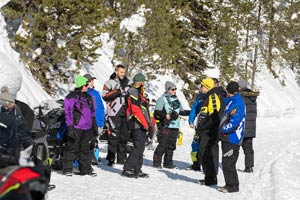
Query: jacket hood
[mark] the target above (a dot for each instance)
(218, 90)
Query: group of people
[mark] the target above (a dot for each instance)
(127, 118)
(229, 116)
(216, 115)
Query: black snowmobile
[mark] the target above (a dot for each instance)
(21, 182)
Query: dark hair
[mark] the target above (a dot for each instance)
(120, 66)
(216, 81)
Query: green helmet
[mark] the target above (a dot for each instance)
(80, 81)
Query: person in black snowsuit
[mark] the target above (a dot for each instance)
(9, 151)
(9, 106)
(207, 129)
(249, 98)
(139, 124)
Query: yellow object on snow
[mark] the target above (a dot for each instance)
(180, 138)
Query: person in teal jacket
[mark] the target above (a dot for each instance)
(168, 108)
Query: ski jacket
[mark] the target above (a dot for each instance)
(196, 107)
(9, 151)
(211, 112)
(79, 111)
(98, 107)
(111, 93)
(7, 131)
(170, 104)
(137, 109)
(232, 126)
(249, 98)
(22, 130)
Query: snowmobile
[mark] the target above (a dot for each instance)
(49, 124)
(28, 182)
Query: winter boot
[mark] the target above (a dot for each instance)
(208, 182)
(129, 174)
(248, 170)
(141, 174)
(170, 166)
(227, 189)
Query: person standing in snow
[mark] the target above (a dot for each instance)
(99, 110)
(139, 124)
(249, 98)
(232, 128)
(167, 110)
(196, 166)
(207, 128)
(80, 119)
(114, 94)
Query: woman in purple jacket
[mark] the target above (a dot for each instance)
(80, 119)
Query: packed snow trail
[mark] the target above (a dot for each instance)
(275, 177)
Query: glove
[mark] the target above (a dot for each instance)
(150, 133)
(100, 131)
(71, 132)
(174, 115)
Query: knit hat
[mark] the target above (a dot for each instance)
(242, 83)
(80, 81)
(5, 96)
(232, 87)
(89, 77)
(169, 85)
(139, 78)
(208, 83)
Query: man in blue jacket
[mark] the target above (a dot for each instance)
(232, 128)
(99, 111)
(196, 166)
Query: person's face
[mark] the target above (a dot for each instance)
(120, 72)
(91, 84)
(172, 91)
(203, 89)
(85, 88)
(139, 84)
(9, 106)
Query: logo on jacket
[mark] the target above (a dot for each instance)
(229, 153)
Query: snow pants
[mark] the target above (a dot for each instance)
(247, 146)
(167, 139)
(230, 154)
(117, 139)
(134, 161)
(209, 157)
(79, 148)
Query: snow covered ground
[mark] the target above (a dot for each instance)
(276, 173)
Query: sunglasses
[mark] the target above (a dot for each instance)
(173, 89)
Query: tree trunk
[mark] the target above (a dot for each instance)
(254, 62)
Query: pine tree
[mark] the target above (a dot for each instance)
(56, 32)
